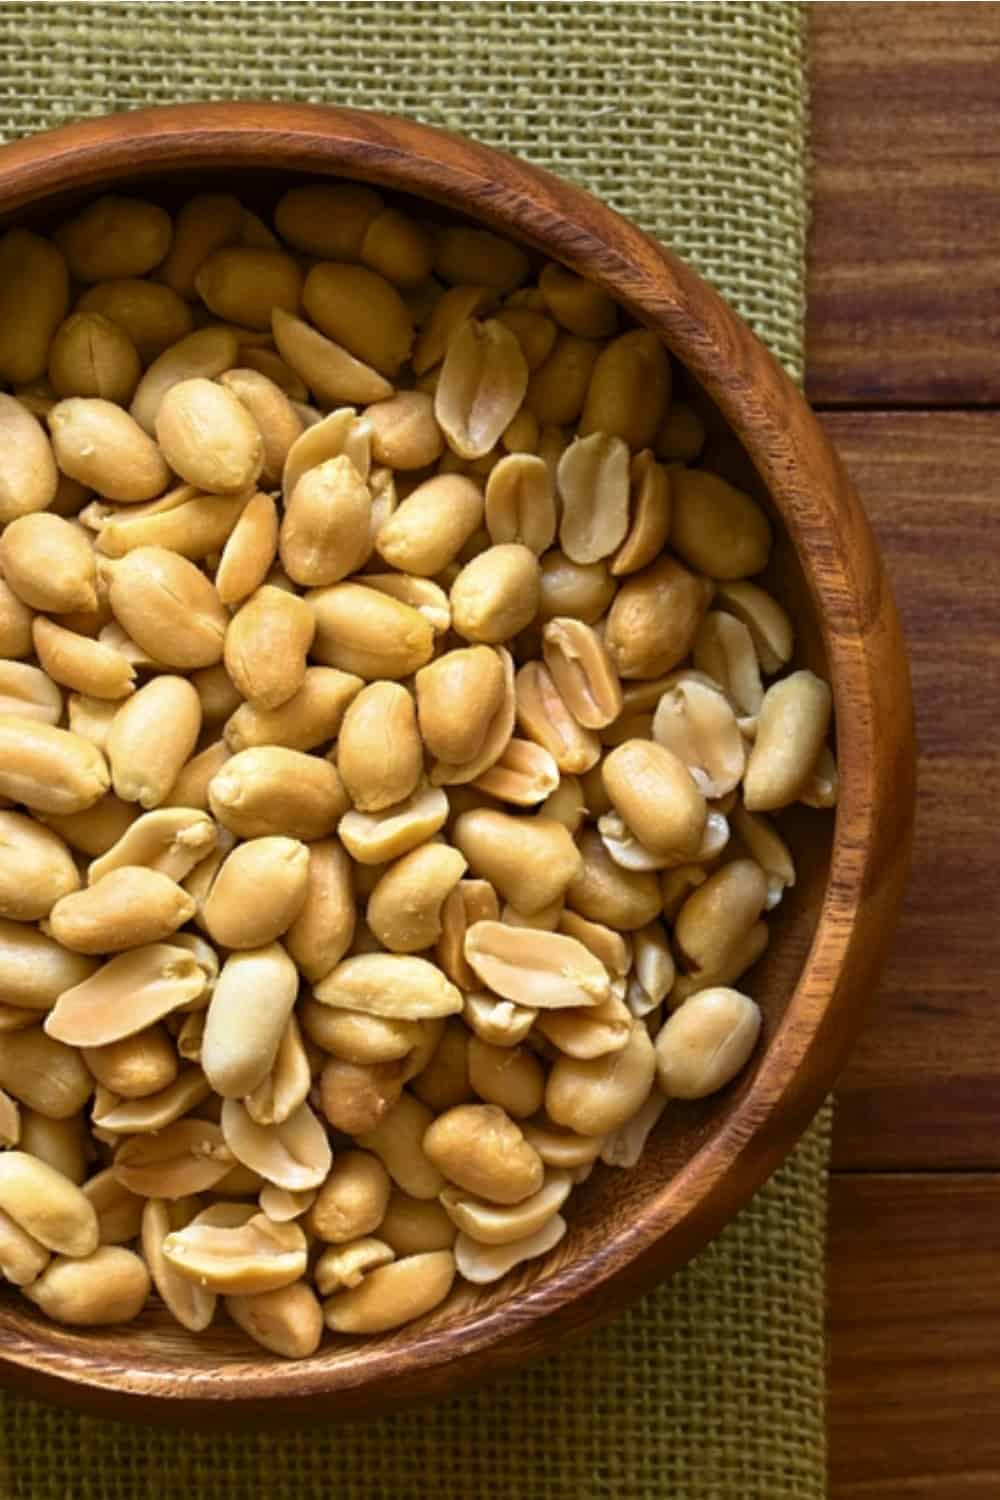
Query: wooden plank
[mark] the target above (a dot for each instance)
(923, 1086)
(904, 298)
(914, 1327)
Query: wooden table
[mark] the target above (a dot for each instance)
(904, 363)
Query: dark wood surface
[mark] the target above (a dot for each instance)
(813, 982)
(904, 314)
(904, 297)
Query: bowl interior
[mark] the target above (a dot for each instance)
(602, 1210)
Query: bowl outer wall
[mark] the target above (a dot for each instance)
(870, 680)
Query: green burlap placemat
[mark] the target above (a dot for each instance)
(691, 119)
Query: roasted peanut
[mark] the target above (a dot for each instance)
(127, 994)
(329, 370)
(496, 594)
(593, 481)
(431, 526)
(397, 1142)
(428, 598)
(170, 840)
(629, 389)
(682, 435)
(99, 444)
(719, 914)
(327, 219)
(294, 1155)
(204, 354)
(33, 302)
(582, 672)
(525, 774)
(271, 790)
(169, 607)
(231, 462)
(361, 311)
(110, 1285)
(698, 726)
(792, 726)
(347, 1265)
(244, 284)
(28, 474)
(558, 388)
(257, 893)
(352, 1201)
(768, 624)
(481, 1149)
(716, 528)
(188, 1156)
(596, 1096)
(325, 531)
(656, 796)
(404, 909)
(356, 1036)
(414, 1226)
(472, 677)
(29, 693)
(135, 1067)
(405, 433)
(49, 770)
(130, 907)
(530, 860)
(576, 304)
(379, 753)
(266, 645)
(49, 564)
(375, 838)
(535, 969)
(706, 1042)
(247, 1015)
(10, 1120)
(22, 1257)
(476, 257)
(114, 237)
(724, 650)
(366, 632)
(286, 1086)
(510, 1077)
(544, 716)
(520, 506)
(239, 1258)
(91, 356)
(34, 969)
(604, 892)
(355, 1097)
(650, 510)
(653, 621)
(152, 315)
(392, 1294)
(393, 985)
(287, 1320)
(15, 624)
(204, 223)
(46, 1205)
(321, 933)
(151, 737)
(36, 868)
(80, 663)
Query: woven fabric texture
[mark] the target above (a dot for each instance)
(690, 119)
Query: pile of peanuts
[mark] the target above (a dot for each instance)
(385, 753)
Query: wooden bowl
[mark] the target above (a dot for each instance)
(628, 1230)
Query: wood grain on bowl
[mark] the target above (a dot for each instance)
(630, 1230)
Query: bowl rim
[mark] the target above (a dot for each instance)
(868, 673)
